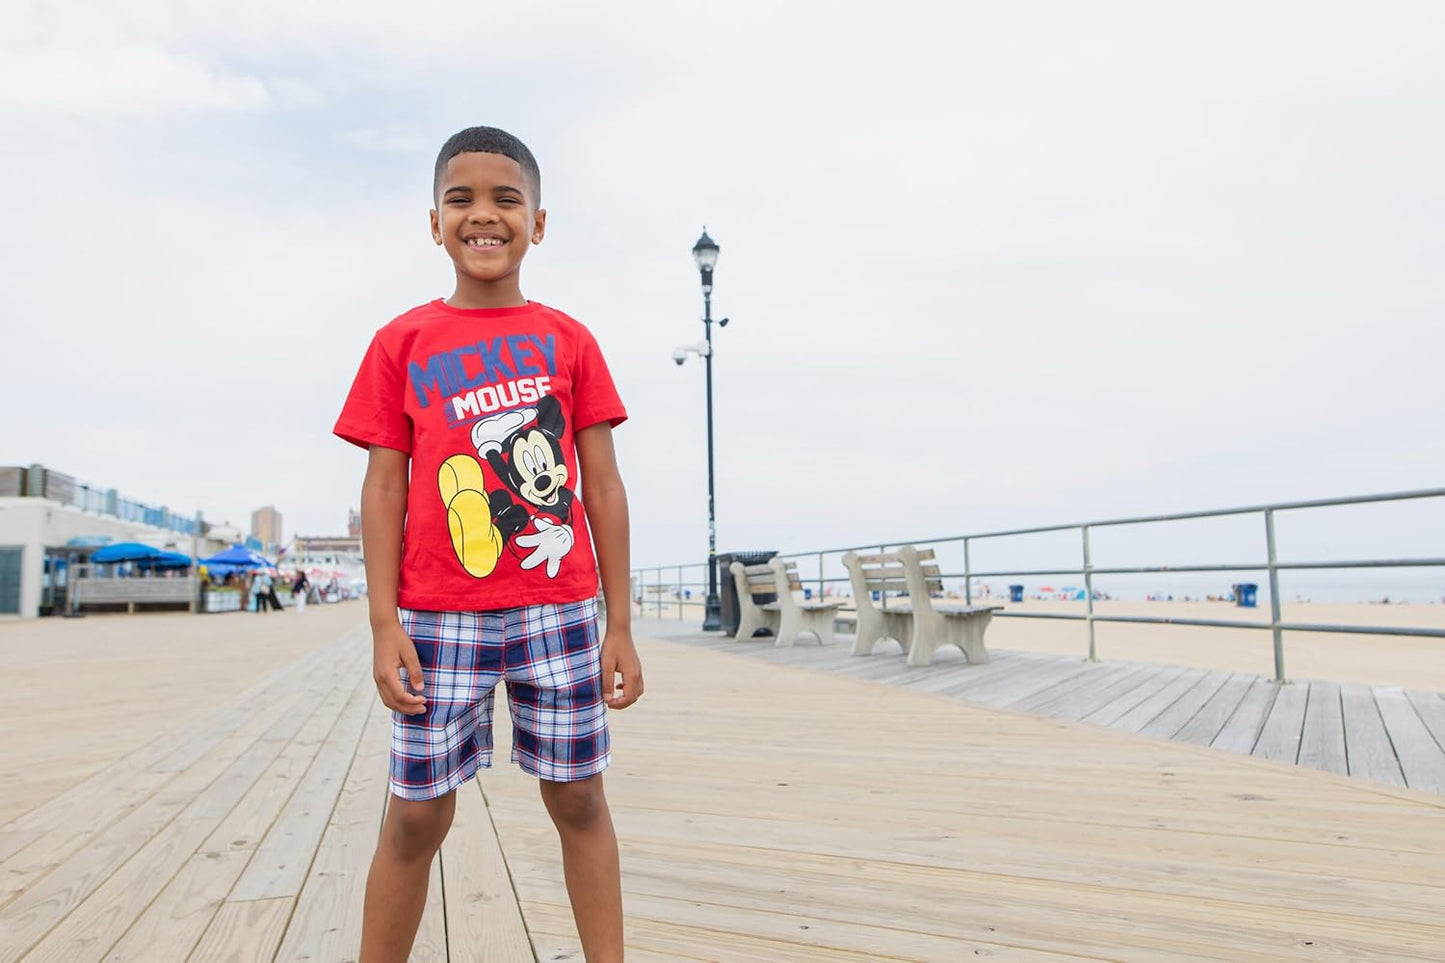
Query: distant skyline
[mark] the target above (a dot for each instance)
(986, 266)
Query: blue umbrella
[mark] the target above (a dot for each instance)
(126, 552)
(238, 556)
(167, 560)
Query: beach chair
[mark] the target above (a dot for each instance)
(751, 581)
(878, 573)
(939, 625)
(815, 618)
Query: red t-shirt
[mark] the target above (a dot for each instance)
(487, 402)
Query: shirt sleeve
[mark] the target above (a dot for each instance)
(594, 396)
(374, 413)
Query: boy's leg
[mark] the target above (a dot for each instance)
(396, 886)
(589, 863)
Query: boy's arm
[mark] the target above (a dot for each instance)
(383, 517)
(606, 502)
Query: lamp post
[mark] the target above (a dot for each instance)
(704, 252)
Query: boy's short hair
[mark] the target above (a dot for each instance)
(488, 140)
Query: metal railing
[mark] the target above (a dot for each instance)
(650, 584)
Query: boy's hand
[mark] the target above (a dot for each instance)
(392, 649)
(619, 656)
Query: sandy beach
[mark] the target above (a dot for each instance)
(118, 704)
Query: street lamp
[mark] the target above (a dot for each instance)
(704, 252)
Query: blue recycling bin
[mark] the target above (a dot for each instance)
(1246, 595)
(1015, 593)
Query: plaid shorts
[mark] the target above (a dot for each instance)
(549, 656)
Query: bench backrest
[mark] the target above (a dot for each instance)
(884, 572)
(762, 580)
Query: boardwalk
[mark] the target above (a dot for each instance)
(766, 813)
(1382, 733)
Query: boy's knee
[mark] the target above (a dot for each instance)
(416, 827)
(575, 804)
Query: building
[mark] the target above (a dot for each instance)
(353, 523)
(47, 519)
(266, 526)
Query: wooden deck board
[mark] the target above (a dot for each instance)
(940, 829)
(1421, 759)
(481, 908)
(1368, 750)
(1322, 742)
(326, 922)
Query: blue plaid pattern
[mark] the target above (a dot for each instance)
(550, 658)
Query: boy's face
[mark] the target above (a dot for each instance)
(486, 217)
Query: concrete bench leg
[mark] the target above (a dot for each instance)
(821, 625)
(968, 636)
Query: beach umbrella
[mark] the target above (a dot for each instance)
(126, 552)
(239, 556)
(167, 560)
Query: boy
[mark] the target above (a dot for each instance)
(494, 401)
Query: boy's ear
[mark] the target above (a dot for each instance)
(436, 227)
(539, 226)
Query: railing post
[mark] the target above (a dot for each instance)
(820, 576)
(679, 593)
(1089, 593)
(1274, 596)
(967, 579)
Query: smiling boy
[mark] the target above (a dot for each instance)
(481, 414)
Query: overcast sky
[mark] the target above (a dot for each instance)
(988, 265)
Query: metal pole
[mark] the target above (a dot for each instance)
(967, 578)
(712, 617)
(1274, 596)
(820, 576)
(679, 593)
(198, 602)
(1089, 593)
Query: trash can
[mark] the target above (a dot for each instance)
(732, 614)
(1015, 593)
(1246, 594)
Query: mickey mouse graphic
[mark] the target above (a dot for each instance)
(524, 450)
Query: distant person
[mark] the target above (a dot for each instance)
(497, 567)
(299, 587)
(260, 592)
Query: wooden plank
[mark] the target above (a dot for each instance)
(244, 932)
(1148, 710)
(40, 839)
(1099, 676)
(172, 925)
(1078, 705)
(282, 860)
(1110, 714)
(430, 945)
(1032, 676)
(326, 923)
(1420, 756)
(104, 916)
(1431, 709)
(1368, 752)
(1209, 721)
(1241, 731)
(1172, 719)
(40, 907)
(1279, 739)
(1322, 744)
(93, 926)
(483, 919)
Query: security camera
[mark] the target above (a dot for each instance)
(679, 356)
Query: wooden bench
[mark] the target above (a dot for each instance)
(919, 625)
(787, 617)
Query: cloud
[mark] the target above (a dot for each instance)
(123, 82)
